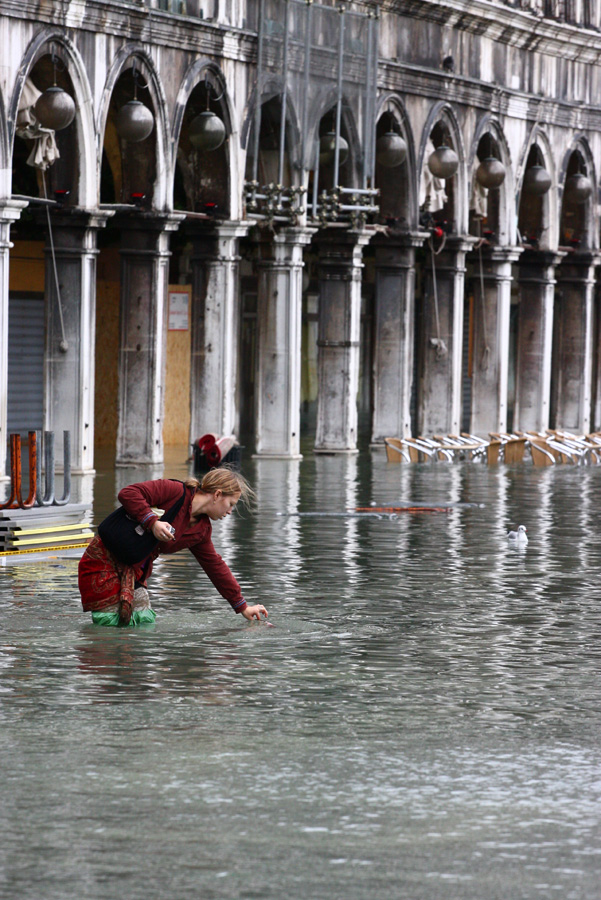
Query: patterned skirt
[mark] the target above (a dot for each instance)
(142, 613)
(107, 586)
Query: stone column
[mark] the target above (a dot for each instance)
(596, 405)
(490, 359)
(69, 358)
(573, 359)
(215, 329)
(441, 341)
(10, 210)
(394, 336)
(534, 340)
(338, 343)
(279, 315)
(144, 280)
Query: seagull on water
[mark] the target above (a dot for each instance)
(519, 536)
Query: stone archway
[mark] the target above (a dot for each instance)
(60, 267)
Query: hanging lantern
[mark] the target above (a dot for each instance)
(578, 188)
(55, 108)
(444, 162)
(537, 181)
(391, 150)
(207, 131)
(134, 122)
(327, 149)
(490, 173)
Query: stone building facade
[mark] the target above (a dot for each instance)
(321, 258)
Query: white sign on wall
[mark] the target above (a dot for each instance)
(179, 305)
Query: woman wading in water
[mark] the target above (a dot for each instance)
(116, 593)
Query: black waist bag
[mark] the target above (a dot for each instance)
(126, 539)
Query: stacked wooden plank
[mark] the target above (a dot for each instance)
(45, 528)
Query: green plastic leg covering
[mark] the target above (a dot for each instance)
(139, 617)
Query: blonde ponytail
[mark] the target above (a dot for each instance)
(227, 481)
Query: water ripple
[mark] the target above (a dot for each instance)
(425, 711)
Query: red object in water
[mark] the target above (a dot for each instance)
(207, 444)
(213, 454)
(398, 509)
(212, 449)
(206, 441)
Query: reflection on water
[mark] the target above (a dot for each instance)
(422, 721)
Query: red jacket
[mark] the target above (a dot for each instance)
(164, 493)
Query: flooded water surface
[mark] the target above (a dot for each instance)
(423, 720)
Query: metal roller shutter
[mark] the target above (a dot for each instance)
(25, 363)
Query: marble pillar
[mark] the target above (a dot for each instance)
(69, 358)
(441, 340)
(534, 339)
(490, 339)
(394, 337)
(340, 265)
(144, 282)
(572, 375)
(215, 328)
(279, 314)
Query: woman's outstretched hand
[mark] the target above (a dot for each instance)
(162, 531)
(254, 612)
